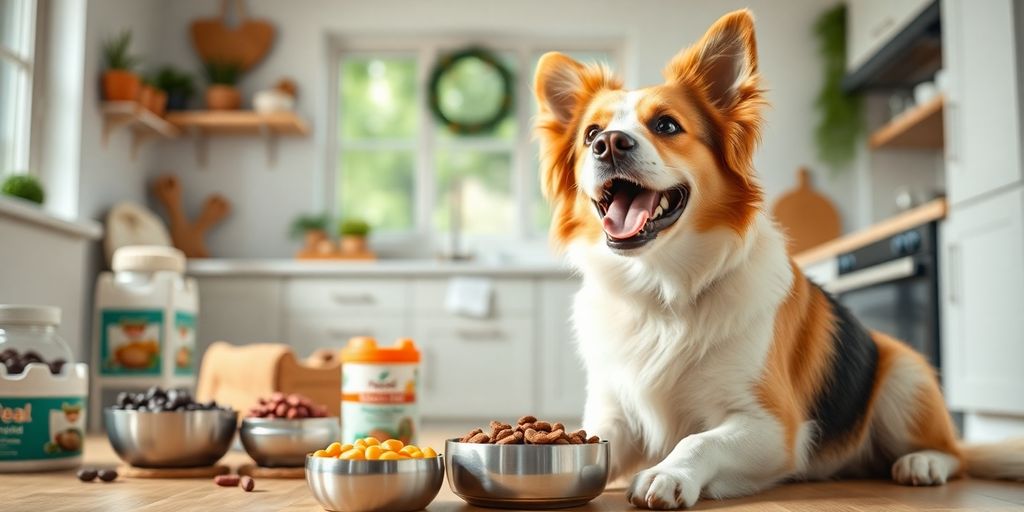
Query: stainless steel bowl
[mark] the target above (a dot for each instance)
(374, 485)
(285, 443)
(174, 439)
(527, 476)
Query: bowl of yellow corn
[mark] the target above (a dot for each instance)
(370, 475)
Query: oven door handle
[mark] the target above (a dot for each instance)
(889, 271)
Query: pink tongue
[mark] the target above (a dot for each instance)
(627, 214)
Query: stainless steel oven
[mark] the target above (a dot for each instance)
(892, 286)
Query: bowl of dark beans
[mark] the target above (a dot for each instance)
(161, 428)
(280, 430)
(16, 362)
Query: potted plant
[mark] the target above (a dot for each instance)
(25, 187)
(178, 85)
(353, 233)
(147, 93)
(313, 230)
(120, 82)
(222, 94)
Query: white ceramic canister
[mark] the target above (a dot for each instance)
(42, 403)
(145, 324)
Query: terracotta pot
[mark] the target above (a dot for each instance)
(313, 238)
(351, 244)
(159, 103)
(223, 97)
(146, 93)
(120, 85)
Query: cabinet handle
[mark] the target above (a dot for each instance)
(479, 334)
(952, 131)
(954, 274)
(427, 369)
(353, 299)
(347, 334)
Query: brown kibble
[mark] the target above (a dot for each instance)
(538, 437)
(542, 425)
(480, 438)
(593, 440)
(467, 437)
(557, 426)
(561, 441)
(502, 434)
(248, 484)
(526, 419)
(580, 433)
(226, 480)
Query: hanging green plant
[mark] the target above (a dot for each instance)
(840, 117)
(471, 91)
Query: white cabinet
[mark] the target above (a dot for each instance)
(983, 305)
(563, 379)
(872, 23)
(982, 111)
(239, 310)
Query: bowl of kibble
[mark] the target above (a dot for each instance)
(280, 430)
(374, 476)
(533, 464)
(160, 428)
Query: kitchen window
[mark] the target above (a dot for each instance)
(397, 167)
(17, 35)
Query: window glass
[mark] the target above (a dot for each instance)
(488, 206)
(16, 28)
(378, 186)
(378, 98)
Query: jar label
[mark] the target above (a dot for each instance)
(380, 401)
(41, 428)
(131, 341)
(184, 343)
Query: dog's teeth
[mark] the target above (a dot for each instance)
(664, 203)
(658, 211)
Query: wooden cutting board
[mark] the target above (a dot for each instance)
(807, 217)
(245, 44)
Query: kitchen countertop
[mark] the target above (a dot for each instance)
(384, 268)
(61, 491)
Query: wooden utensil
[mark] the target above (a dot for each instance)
(245, 44)
(807, 217)
(188, 236)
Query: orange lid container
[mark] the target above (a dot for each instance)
(364, 349)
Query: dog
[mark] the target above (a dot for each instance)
(714, 366)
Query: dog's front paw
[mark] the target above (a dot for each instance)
(663, 489)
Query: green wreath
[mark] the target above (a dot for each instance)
(446, 64)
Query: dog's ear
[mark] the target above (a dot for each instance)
(723, 63)
(558, 85)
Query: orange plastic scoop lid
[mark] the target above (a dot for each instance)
(364, 349)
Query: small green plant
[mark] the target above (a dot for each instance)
(172, 80)
(25, 187)
(223, 72)
(840, 121)
(115, 51)
(353, 227)
(305, 223)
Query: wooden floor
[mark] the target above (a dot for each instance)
(53, 492)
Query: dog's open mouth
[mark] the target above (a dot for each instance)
(633, 215)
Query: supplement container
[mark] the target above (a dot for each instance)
(42, 393)
(145, 324)
(379, 387)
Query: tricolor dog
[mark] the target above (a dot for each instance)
(714, 366)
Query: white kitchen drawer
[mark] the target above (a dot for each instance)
(477, 368)
(510, 295)
(563, 377)
(306, 334)
(347, 296)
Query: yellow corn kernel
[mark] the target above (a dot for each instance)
(321, 453)
(409, 449)
(334, 449)
(361, 444)
(390, 456)
(429, 453)
(345, 447)
(353, 454)
(371, 441)
(373, 452)
(392, 445)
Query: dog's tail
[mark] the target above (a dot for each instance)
(996, 461)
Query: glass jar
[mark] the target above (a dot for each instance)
(42, 393)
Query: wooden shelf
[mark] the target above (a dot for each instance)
(918, 128)
(142, 123)
(239, 122)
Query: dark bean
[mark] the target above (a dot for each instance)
(226, 480)
(86, 474)
(248, 484)
(31, 357)
(107, 475)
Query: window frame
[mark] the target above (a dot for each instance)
(522, 147)
(25, 60)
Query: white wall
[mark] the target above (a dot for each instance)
(267, 197)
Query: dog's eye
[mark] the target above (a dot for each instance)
(591, 134)
(665, 125)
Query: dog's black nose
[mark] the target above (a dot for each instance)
(611, 145)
